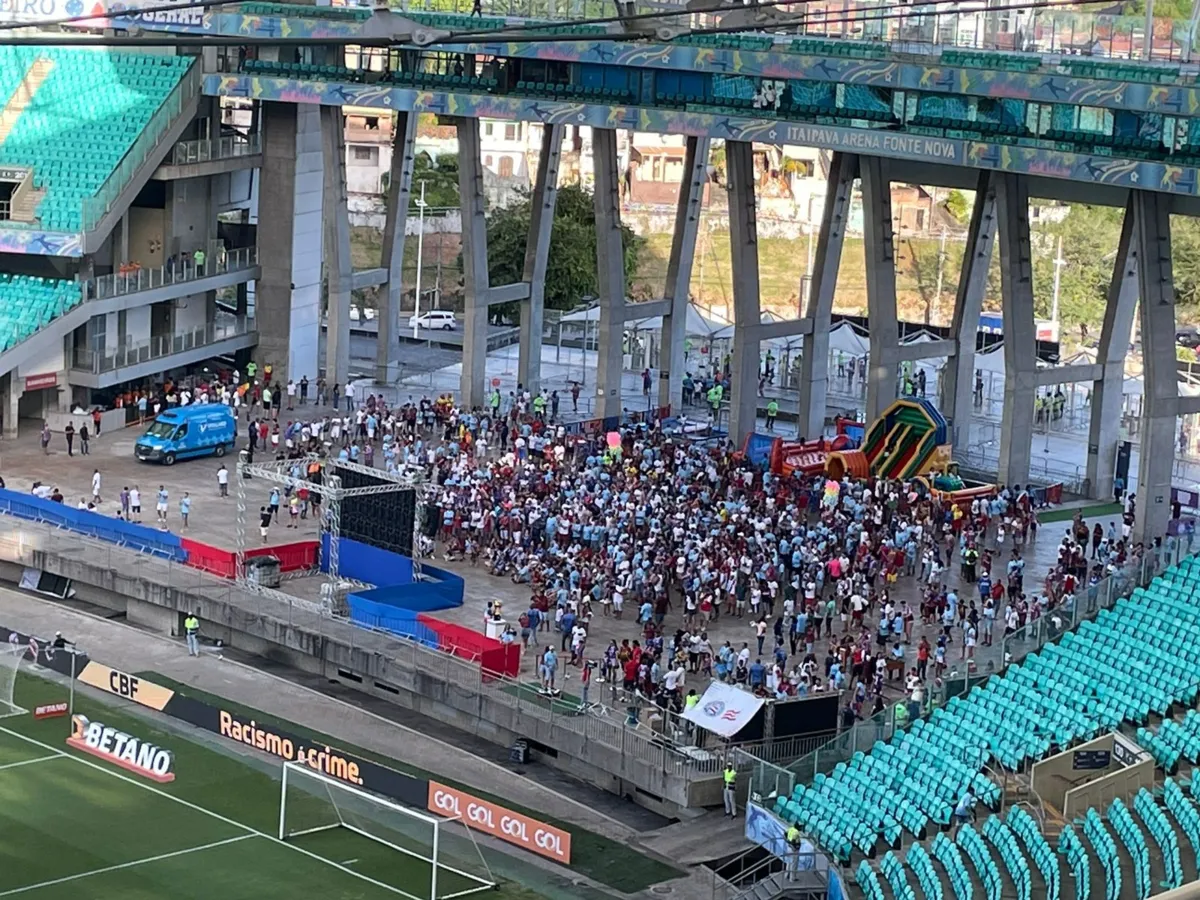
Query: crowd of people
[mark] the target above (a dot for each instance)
(866, 585)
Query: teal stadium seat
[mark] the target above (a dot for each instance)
(1140, 657)
(87, 111)
(28, 303)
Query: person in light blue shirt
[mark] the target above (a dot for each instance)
(185, 507)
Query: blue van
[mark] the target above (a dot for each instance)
(205, 429)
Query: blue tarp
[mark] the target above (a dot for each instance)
(368, 564)
(93, 524)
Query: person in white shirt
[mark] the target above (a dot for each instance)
(96, 486)
(223, 481)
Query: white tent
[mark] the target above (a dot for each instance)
(845, 338)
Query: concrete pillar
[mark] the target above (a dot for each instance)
(1152, 226)
(123, 241)
(390, 297)
(537, 255)
(610, 273)
(1020, 333)
(472, 388)
(879, 253)
(958, 382)
(743, 251)
(14, 387)
(288, 296)
(814, 371)
(672, 365)
(338, 267)
(1104, 427)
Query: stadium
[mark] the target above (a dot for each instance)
(568, 450)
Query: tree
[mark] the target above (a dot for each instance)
(571, 267)
(441, 182)
(957, 206)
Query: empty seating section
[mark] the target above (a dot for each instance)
(1014, 860)
(921, 863)
(304, 11)
(86, 109)
(946, 852)
(893, 871)
(1184, 812)
(868, 882)
(1134, 841)
(28, 303)
(1163, 833)
(981, 59)
(1173, 741)
(972, 845)
(838, 49)
(1106, 852)
(458, 22)
(1026, 828)
(1070, 846)
(1120, 71)
(727, 41)
(1138, 658)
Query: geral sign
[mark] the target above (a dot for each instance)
(518, 830)
(128, 752)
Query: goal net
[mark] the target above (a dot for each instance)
(10, 659)
(410, 853)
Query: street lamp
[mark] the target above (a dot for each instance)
(420, 253)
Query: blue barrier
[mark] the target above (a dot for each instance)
(93, 524)
(376, 613)
(368, 564)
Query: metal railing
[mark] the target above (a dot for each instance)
(798, 869)
(218, 262)
(462, 686)
(229, 147)
(98, 362)
(98, 205)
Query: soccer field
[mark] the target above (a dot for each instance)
(74, 826)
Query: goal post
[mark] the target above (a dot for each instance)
(10, 662)
(312, 803)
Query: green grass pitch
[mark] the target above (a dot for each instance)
(76, 826)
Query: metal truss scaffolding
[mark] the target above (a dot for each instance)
(290, 475)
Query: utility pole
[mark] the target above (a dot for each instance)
(937, 297)
(1059, 262)
(420, 253)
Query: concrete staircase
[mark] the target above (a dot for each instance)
(37, 73)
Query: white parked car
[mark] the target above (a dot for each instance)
(442, 319)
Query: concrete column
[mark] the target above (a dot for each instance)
(743, 251)
(610, 273)
(879, 253)
(475, 264)
(1152, 226)
(958, 382)
(288, 295)
(14, 388)
(338, 268)
(672, 365)
(1104, 427)
(1020, 333)
(390, 297)
(814, 364)
(123, 241)
(537, 255)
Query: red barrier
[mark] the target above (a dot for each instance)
(492, 655)
(292, 557)
(211, 559)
